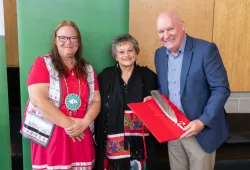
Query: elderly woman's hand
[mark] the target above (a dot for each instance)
(77, 128)
(147, 98)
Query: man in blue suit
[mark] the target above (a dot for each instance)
(192, 75)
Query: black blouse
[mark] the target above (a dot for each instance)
(129, 92)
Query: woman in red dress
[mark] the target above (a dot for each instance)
(71, 106)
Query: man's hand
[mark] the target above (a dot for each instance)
(193, 128)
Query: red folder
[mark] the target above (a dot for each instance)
(163, 128)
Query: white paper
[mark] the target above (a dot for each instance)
(1, 19)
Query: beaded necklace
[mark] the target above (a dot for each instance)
(72, 101)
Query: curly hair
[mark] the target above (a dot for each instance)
(124, 39)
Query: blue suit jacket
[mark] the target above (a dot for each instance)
(204, 89)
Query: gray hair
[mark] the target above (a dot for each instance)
(124, 39)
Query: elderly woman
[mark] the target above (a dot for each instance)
(64, 100)
(122, 140)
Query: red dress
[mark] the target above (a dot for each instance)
(62, 153)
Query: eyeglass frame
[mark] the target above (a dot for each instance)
(67, 38)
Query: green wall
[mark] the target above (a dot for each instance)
(99, 22)
(5, 151)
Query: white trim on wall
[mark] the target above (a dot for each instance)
(1, 19)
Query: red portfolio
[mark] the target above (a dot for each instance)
(163, 128)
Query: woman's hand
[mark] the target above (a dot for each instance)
(147, 98)
(79, 138)
(77, 128)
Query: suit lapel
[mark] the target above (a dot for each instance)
(187, 58)
(166, 70)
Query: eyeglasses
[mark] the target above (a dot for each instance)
(72, 39)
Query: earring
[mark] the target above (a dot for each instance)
(117, 64)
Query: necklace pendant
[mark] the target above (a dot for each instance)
(73, 102)
(72, 73)
(70, 113)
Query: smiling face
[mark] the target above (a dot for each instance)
(67, 41)
(170, 30)
(125, 54)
